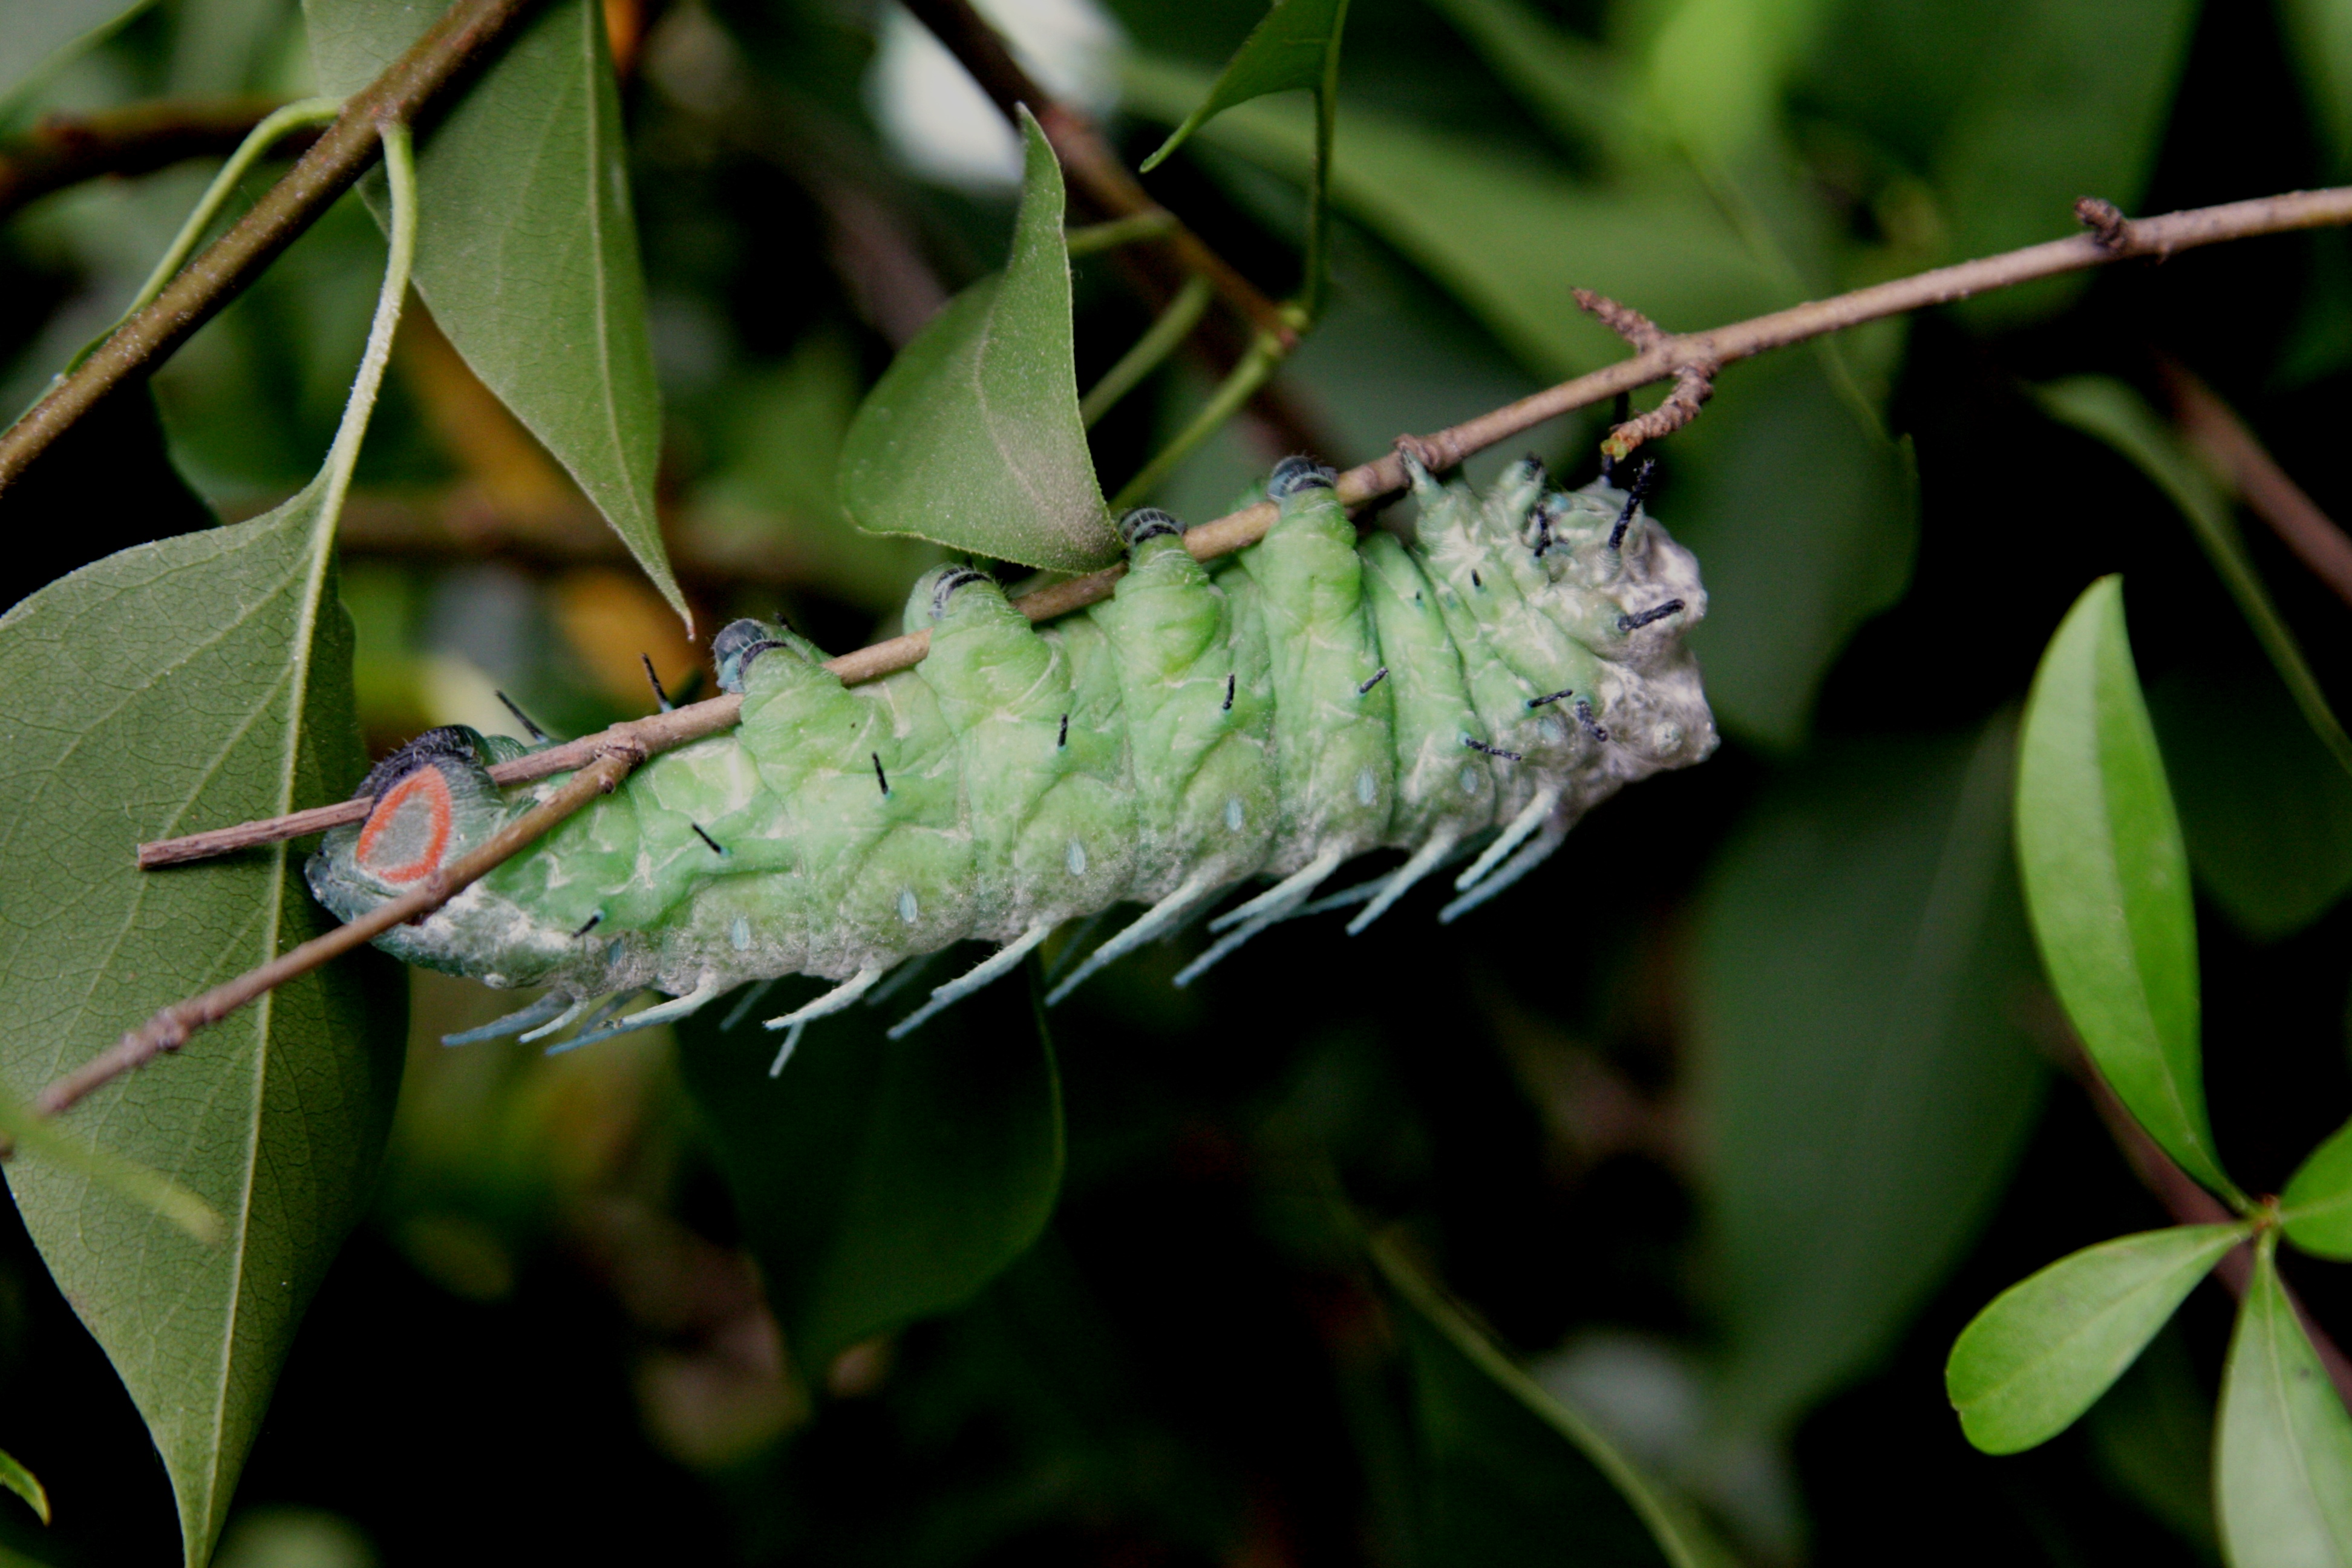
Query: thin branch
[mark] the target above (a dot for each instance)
(168, 1029)
(1088, 160)
(1159, 340)
(1694, 382)
(65, 150)
(1720, 345)
(460, 40)
(2255, 476)
(1113, 233)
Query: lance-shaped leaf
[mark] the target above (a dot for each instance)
(972, 437)
(1512, 1475)
(882, 1180)
(2316, 1207)
(2284, 1472)
(527, 250)
(2107, 879)
(177, 685)
(2048, 1346)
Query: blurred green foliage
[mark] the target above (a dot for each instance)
(1731, 1117)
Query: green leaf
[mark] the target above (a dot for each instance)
(2319, 33)
(25, 1484)
(2048, 1346)
(1860, 967)
(1512, 1474)
(527, 250)
(1573, 86)
(2107, 879)
(1295, 46)
(44, 36)
(187, 683)
(2266, 811)
(1715, 67)
(2316, 1207)
(972, 437)
(2283, 1474)
(1806, 519)
(38, 1138)
(2071, 100)
(2153, 1436)
(2108, 411)
(881, 1181)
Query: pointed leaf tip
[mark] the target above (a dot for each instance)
(528, 254)
(1289, 48)
(972, 437)
(2107, 879)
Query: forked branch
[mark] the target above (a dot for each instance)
(1694, 382)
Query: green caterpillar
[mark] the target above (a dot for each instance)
(1310, 699)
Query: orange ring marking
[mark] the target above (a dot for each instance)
(428, 783)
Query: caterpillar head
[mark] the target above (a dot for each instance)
(434, 802)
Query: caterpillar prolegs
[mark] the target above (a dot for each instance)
(1309, 699)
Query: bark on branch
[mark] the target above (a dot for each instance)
(461, 40)
(64, 150)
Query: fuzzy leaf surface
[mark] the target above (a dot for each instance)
(972, 437)
(526, 249)
(2107, 879)
(183, 684)
(2047, 1347)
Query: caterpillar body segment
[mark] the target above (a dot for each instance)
(1463, 699)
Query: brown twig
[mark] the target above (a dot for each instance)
(1720, 345)
(168, 1029)
(2192, 1204)
(2234, 453)
(458, 41)
(64, 150)
(1694, 382)
(1088, 160)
